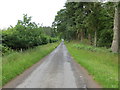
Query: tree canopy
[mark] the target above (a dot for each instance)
(91, 21)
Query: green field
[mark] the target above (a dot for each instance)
(99, 62)
(16, 62)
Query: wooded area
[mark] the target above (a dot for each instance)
(92, 22)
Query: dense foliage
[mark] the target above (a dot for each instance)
(27, 34)
(86, 21)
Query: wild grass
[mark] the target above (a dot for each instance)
(99, 62)
(0, 70)
(16, 62)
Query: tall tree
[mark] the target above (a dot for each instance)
(116, 36)
(79, 20)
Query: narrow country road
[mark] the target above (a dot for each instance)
(57, 70)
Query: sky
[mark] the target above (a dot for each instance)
(42, 11)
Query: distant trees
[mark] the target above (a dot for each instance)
(27, 34)
(91, 21)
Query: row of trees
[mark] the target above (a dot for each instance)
(93, 21)
(27, 34)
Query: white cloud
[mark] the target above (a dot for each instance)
(42, 11)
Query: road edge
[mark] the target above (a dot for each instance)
(90, 82)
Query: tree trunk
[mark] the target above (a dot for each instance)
(90, 38)
(82, 35)
(78, 35)
(116, 30)
(95, 39)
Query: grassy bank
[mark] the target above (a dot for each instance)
(0, 71)
(16, 62)
(100, 63)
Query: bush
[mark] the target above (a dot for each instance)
(91, 48)
(44, 39)
(53, 40)
(5, 49)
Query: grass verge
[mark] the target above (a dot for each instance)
(17, 62)
(0, 71)
(99, 62)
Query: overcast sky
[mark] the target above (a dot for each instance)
(42, 11)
